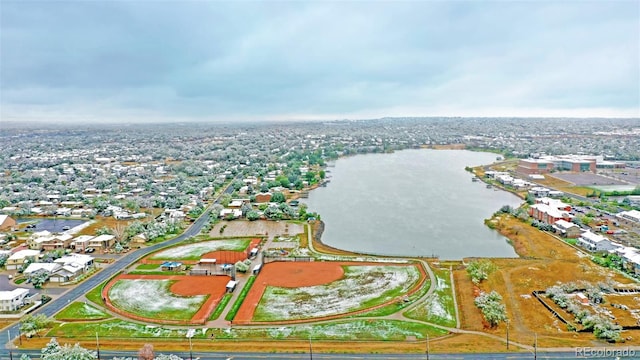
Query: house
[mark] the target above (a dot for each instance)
(84, 262)
(72, 266)
(62, 241)
(49, 268)
(235, 213)
(102, 242)
(81, 243)
(630, 258)
(139, 239)
(567, 229)
(18, 258)
(539, 191)
(263, 197)
(13, 300)
(595, 242)
(7, 223)
(548, 214)
(633, 216)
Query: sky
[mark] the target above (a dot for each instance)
(163, 60)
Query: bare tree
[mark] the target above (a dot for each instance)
(146, 352)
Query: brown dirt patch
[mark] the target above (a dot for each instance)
(213, 286)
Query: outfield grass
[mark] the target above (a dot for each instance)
(81, 311)
(154, 299)
(221, 306)
(360, 288)
(398, 305)
(243, 294)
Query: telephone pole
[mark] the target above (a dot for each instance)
(427, 346)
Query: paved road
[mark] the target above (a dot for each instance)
(253, 356)
(58, 304)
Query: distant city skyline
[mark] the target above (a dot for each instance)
(148, 61)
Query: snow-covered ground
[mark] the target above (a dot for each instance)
(360, 287)
(195, 250)
(141, 296)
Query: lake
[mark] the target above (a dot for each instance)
(411, 202)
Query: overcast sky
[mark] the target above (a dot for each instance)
(98, 61)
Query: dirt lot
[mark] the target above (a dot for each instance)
(259, 227)
(545, 261)
(185, 285)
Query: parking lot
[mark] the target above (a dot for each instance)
(586, 179)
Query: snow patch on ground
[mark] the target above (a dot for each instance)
(361, 284)
(151, 296)
(198, 249)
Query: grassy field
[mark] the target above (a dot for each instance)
(81, 311)
(360, 288)
(220, 307)
(147, 267)
(95, 295)
(440, 307)
(133, 296)
(546, 262)
(194, 251)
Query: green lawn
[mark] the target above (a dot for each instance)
(147, 267)
(95, 295)
(221, 306)
(243, 294)
(379, 330)
(440, 307)
(116, 328)
(81, 311)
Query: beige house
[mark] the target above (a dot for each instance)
(17, 259)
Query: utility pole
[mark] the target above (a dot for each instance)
(535, 347)
(190, 349)
(507, 334)
(310, 350)
(98, 345)
(427, 346)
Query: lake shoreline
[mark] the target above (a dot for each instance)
(498, 239)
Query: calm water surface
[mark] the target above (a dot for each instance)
(412, 202)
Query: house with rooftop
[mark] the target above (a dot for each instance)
(102, 242)
(18, 258)
(81, 243)
(567, 229)
(630, 258)
(13, 300)
(550, 210)
(596, 243)
(7, 223)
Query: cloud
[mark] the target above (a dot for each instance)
(213, 60)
